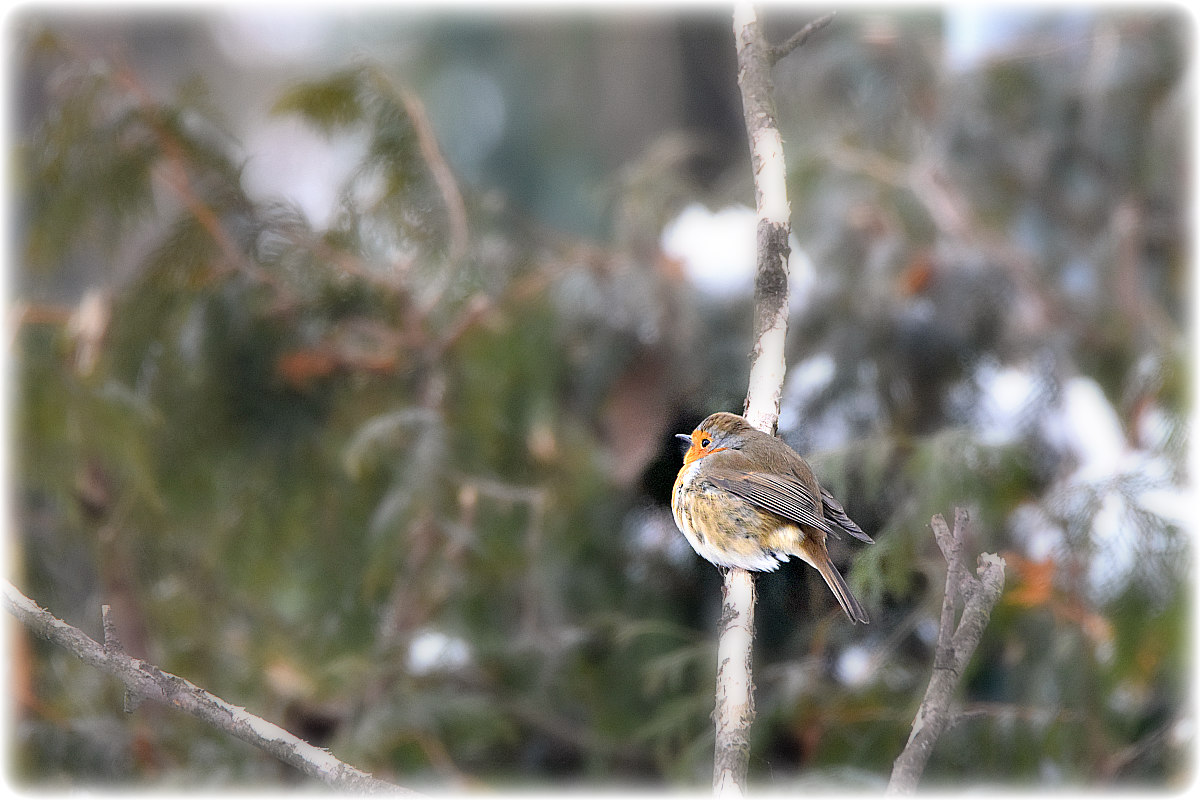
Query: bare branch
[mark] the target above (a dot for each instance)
(955, 646)
(734, 712)
(111, 643)
(774, 219)
(801, 36)
(443, 176)
(149, 682)
(944, 538)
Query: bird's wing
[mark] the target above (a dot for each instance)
(778, 494)
(837, 515)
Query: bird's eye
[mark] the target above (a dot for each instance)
(705, 442)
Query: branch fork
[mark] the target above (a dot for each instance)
(958, 636)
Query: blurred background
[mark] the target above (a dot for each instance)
(347, 347)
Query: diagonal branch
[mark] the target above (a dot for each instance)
(443, 176)
(149, 682)
(955, 646)
(801, 36)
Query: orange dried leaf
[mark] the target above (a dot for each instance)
(298, 368)
(1035, 581)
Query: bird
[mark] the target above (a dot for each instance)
(743, 498)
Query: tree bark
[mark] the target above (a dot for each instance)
(767, 362)
(734, 713)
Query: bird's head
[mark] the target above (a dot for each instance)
(720, 431)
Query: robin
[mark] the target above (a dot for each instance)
(745, 499)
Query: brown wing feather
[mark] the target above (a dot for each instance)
(780, 495)
(837, 515)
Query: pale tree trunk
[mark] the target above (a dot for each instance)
(734, 712)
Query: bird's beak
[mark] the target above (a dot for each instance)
(686, 441)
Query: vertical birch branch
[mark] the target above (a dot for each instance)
(767, 363)
(734, 713)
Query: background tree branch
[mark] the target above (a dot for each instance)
(800, 37)
(146, 681)
(955, 645)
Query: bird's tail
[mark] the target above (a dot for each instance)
(841, 591)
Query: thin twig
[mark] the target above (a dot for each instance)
(112, 644)
(1154, 741)
(801, 36)
(993, 710)
(174, 169)
(442, 174)
(148, 681)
